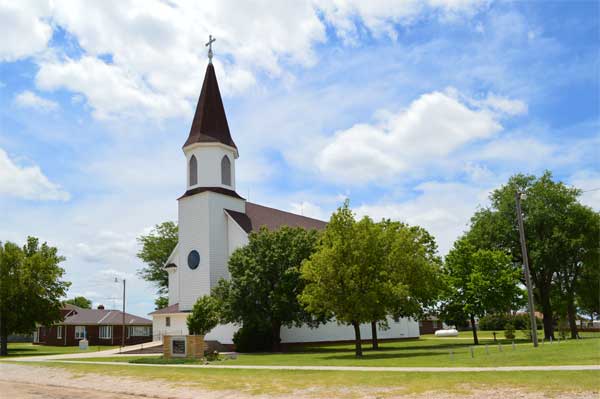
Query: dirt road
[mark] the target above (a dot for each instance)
(19, 390)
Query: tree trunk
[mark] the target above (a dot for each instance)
(3, 337)
(474, 328)
(547, 310)
(571, 314)
(276, 333)
(374, 341)
(357, 340)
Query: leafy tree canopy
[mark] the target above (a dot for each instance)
(156, 248)
(31, 288)
(265, 280)
(80, 301)
(481, 281)
(205, 315)
(559, 233)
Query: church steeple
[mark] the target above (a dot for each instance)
(210, 123)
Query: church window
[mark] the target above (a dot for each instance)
(193, 259)
(226, 171)
(193, 171)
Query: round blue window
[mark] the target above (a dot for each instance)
(193, 259)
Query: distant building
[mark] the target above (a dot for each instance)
(430, 325)
(100, 327)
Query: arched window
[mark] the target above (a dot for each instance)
(193, 171)
(226, 171)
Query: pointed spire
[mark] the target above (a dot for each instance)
(210, 123)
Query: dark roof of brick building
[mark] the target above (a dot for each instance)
(79, 316)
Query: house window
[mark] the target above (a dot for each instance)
(226, 171)
(168, 321)
(193, 171)
(105, 332)
(139, 331)
(79, 332)
(58, 332)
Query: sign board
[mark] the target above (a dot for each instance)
(178, 347)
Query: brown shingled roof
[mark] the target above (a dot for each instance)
(210, 123)
(168, 310)
(257, 216)
(103, 317)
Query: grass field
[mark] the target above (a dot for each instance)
(351, 384)
(427, 351)
(28, 349)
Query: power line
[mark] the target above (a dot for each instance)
(592, 189)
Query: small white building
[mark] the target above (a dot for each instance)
(214, 220)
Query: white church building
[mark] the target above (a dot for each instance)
(214, 220)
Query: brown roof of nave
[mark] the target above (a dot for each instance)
(210, 123)
(257, 216)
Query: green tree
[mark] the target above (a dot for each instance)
(588, 290)
(157, 246)
(410, 260)
(265, 280)
(481, 281)
(576, 246)
(30, 288)
(552, 247)
(204, 316)
(161, 302)
(347, 277)
(80, 301)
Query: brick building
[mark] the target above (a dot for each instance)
(100, 327)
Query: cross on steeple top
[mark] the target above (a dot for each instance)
(209, 45)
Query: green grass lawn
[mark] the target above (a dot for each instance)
(428, 351)
(350, 384)
(17, 349)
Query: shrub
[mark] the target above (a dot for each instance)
(494, 322)
(205, 315)
(509, 331)
(211, 356)
(522, 322)
(251, 338)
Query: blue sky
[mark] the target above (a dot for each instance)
(413, 110)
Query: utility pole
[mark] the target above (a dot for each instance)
(123, 326)
(518, 196)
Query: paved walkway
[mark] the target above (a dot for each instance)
(341, 368)
(74, 358)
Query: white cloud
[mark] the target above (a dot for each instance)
(432, 127)
(150, 55)
(505, 105)
(27, 182)
(444, 209)
(29, 99)
(380, 16)
(22, 30)
(309, 209)
(589, 182)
